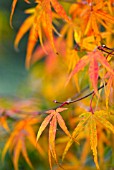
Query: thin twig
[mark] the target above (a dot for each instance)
(104, 48)
(76, 100)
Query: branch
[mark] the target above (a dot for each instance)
(61, 104)
(76, 100)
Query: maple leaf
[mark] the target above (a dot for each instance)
(93, 58)
(13, 8)
(96, 14)
(39, 22)
(16, 141)
(89, 121)
(92, 16)
(53, 118)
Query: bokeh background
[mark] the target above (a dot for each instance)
(12, 67)
(14, 77)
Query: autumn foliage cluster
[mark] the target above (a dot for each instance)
(69, 120)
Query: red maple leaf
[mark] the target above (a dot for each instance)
(93, 58)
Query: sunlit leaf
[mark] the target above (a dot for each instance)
(43, 125)
(93, 139)
(52, 134)
(93, 58)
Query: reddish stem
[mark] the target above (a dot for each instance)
(91, 109)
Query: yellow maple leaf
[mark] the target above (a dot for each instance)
(89, 120)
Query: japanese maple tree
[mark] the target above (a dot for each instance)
(71, 43)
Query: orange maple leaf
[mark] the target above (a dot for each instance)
(92, 14)
(93, 58)
(16, 143)
(39, 22)
(53, 118)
